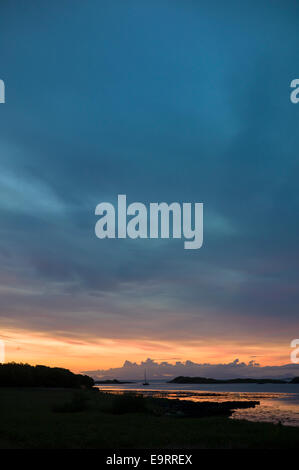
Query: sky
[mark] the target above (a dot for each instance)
(185, 101)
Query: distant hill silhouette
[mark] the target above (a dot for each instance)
(205, 380)
(24, 375)
(295, 380)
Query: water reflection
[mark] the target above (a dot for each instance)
(275, 407)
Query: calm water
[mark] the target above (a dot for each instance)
(278, 403)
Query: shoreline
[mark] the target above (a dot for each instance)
(68, 418)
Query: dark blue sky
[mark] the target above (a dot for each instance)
(163, 101)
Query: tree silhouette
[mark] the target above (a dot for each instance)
(25, 375)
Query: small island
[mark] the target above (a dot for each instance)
(205, 380)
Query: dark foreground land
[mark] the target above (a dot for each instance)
(64, 418)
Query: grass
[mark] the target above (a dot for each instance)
(44, 418)
(77, 402)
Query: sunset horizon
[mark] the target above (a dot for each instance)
(80, 353)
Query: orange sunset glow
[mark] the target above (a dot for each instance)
(91, 353)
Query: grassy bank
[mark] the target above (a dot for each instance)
(54, 418)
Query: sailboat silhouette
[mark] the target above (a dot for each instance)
(145, 381)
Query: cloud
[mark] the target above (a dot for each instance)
(166, 370)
